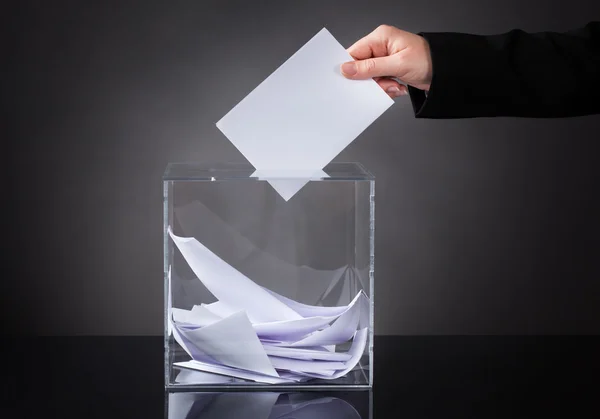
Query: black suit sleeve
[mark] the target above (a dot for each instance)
(537, 75)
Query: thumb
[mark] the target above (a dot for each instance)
(371, 67)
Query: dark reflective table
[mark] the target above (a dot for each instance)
(415, 377)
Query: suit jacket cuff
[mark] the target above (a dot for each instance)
(459, 62)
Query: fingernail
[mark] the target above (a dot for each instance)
(349, 69)
(396, 91)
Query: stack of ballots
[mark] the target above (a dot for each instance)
(253, 333)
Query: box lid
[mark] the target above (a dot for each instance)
(240, 171)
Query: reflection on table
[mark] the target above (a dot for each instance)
(269, 405)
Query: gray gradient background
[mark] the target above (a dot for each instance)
(486, 226)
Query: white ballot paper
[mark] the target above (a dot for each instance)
(303, 115)
(214, 272)
(255, 334)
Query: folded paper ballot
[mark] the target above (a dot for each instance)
(303, 115)
(214, 272)
(255, 334)
(284, 376)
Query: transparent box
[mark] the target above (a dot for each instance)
(264, 292)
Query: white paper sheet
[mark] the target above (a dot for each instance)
(239, 359)
(233, 343)
(305, 113)
(285, 330)
(339, 332)
(219, 309)
(288, 182)
(229, 285)
(306, 354)
(326, 368)
(233, 372)
(296, 330)
(281, 331)
(199, 316)
(187, 376)
(356, 351)
(342, 329)
(291, 330)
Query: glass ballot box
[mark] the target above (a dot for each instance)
(268, 277)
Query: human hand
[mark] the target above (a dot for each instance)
(389, 53)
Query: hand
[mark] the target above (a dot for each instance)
(388, 53)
